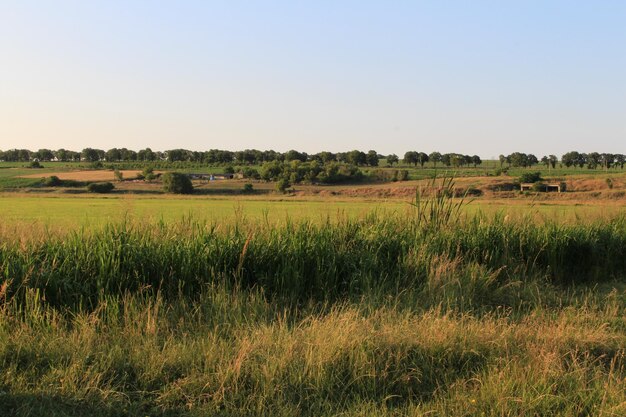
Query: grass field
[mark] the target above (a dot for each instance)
(67, 213)
(269, 305)
(380, 315)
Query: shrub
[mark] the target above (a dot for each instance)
(118, 175)
(529, 177)
(35, 164)
(177, 183)
(248, 188)
(501, 171)
(473, 192)
(52, 181)
(282, 185)
(609, 183)
(251, 173)
(404, 175)
(100, 187)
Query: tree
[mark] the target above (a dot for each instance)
(325, 157)
(44, 155)
(620, 159)
(113, 155)
(553, 160)
(392, 159)
(435, 158)
(476, 160)
(546, 161)
(177, 183)
(62, 155)
(372, 158)
(593, 160)
(518, 159)
(356, 157)
(422, 158)
(607, 160)
(146, 155)
(502, 160)
(90, 155)
(410, 157)
(295, 155)
(570, 158)
(282, 185)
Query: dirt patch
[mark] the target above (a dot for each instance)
(91, 175)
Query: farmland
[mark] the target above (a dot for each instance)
(354, 299)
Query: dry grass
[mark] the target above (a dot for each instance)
(87, 175)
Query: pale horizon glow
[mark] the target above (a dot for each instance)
(480, 77)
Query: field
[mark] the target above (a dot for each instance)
(354, 300)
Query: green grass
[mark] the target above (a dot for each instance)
(69, 213)
(76, 212)
(379, 314)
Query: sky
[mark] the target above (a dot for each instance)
(474, 77)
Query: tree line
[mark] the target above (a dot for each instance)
(370, 158)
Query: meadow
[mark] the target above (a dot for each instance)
(287, 306)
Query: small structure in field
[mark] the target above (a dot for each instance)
(548, 188)
(212, 177)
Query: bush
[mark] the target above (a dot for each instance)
(100, 187)
(118, 175)
(147, 171)
(282, 185)
(473, 192)
(609, 183)
(35, 164)
(404, 175)
(529, 177)
(248, 188)
(177, 183)
(251, 173)
(52, 181)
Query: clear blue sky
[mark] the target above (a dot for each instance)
(485, 77)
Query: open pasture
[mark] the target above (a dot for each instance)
(62, 212)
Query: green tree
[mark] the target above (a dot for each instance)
(410, 157)
(392, 159)
(422, 158)
(90, 155)
(372, 158)
(282, 185)
(177, 183)
(435, 158)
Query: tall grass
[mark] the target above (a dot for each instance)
(305, 260)
(418, 314)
